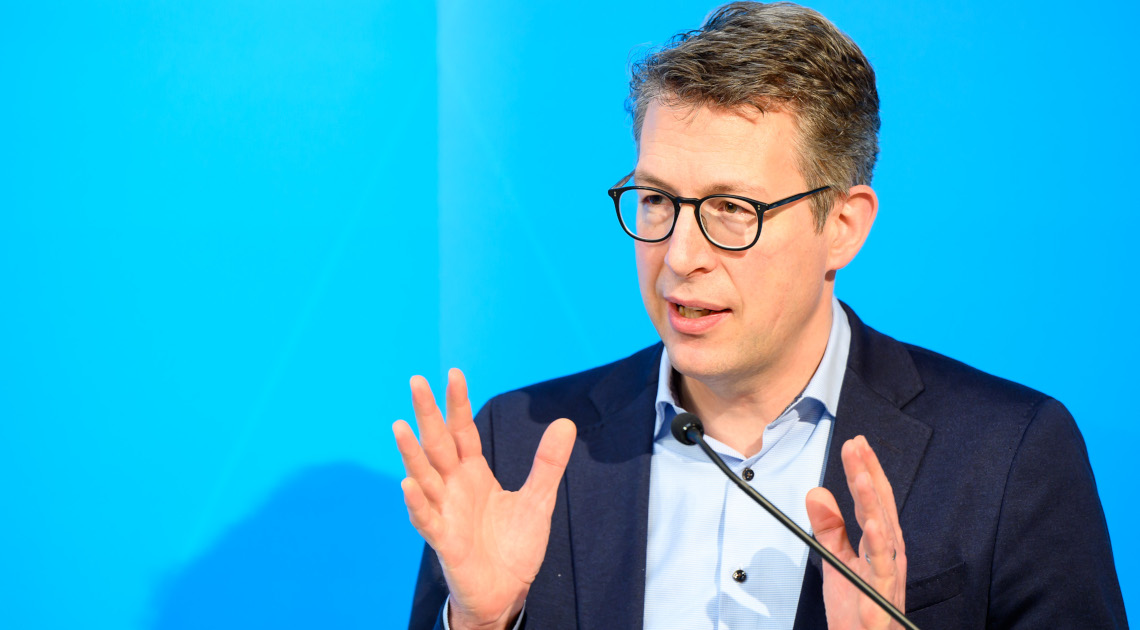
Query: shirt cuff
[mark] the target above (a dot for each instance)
(447, 608)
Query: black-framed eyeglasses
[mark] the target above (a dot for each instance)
(728, 221)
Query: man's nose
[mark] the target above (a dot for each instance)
(689, 251)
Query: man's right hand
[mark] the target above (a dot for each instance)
(490, 542)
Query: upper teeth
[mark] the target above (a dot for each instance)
(690, 312)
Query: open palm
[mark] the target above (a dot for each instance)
(490, 542)
(881, 557)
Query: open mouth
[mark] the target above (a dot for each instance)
(692, 312)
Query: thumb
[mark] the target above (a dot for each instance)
(827, 523)
(550, 460)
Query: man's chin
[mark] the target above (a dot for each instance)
(695, 358)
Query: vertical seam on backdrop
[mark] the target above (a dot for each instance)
(491, 156)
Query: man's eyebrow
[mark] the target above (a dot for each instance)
(645, 179)
(716, 188)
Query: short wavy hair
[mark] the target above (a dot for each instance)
(775, 57)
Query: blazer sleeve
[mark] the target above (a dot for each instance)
(1052, 564)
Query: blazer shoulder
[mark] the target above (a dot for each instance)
(572, 394)
(924, 383)
(965, 392)
(511, 425)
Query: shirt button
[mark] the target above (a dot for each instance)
(748, 475)
(739, 575)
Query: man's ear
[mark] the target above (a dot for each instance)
(849, 224)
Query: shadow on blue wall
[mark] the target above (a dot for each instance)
(321, 553)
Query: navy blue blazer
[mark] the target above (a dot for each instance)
(997, 502)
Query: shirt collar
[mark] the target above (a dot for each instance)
(824, 385)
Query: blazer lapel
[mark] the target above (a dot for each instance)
(607, 483)
(880, 380)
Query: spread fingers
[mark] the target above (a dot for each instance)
(853, 467)
(460, 422)
(881, 554)
(420, 513)
(882, 487)
(550, 461)
(880, 545)
(437, 442)
(416, 463)
(827, 524)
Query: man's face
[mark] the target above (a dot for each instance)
(725, 316)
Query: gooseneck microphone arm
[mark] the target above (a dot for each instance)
(687, 428)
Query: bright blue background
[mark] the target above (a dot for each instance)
(230, 231)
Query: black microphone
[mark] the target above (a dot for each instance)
(687, 428)
(684, 424)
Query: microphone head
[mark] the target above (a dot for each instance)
(682, 424)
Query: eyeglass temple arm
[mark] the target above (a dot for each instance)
(623, 180)
(777, 204)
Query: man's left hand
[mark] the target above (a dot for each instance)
(881, 557)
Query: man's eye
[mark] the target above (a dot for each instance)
(654, 200)
(729, 207)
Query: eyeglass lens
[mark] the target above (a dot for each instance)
(728, 221)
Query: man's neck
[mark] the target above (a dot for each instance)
(736, 410)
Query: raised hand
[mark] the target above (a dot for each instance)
(490, 542)
(881, 559)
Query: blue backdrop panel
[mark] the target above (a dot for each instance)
(230, 231)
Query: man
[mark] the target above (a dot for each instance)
(979, 509)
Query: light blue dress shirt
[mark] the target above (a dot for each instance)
(703, 529)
